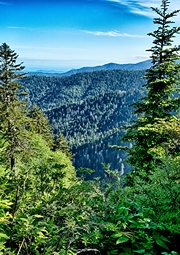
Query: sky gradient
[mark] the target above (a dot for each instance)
(61, 35)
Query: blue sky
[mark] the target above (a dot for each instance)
(61, 35)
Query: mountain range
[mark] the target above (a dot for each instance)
(109, 66)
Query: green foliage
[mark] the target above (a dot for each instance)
(162, 193)
(61, 144)
(157, 111)
(49, 211)
(12, 111)
(113, 219)
(40, 125)
(31, 193)
(32, 176)
(4, 217)
(88, 109)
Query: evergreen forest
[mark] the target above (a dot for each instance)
(89, 163)
(88, 109)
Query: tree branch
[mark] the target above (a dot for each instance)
(88, 250)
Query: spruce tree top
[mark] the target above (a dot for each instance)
(10, 73)
(8, 63)
(155, 131)
(163, 78)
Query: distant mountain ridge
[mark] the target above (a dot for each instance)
(144, 65)
(109, 66)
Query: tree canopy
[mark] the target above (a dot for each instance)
(159, 108)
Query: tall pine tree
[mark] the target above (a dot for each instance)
(158, 110)
(12, 110)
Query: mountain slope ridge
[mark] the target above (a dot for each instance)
(109, 66)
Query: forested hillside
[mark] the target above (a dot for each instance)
(89, 109)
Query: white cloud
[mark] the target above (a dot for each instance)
(23, 28)
(141, 57)
(112, 34)
(13, 27)
(143, 7)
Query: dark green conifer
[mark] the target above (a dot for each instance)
(61, 144)
(162, 100)
(40, 124)
(164, 74)
(12, 111)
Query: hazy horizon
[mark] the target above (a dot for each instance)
(51, 66)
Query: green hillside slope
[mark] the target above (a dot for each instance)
(89, 109)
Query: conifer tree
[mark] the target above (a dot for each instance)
(40, 124)
(158, 109)
(12, 110)
(61, 144)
